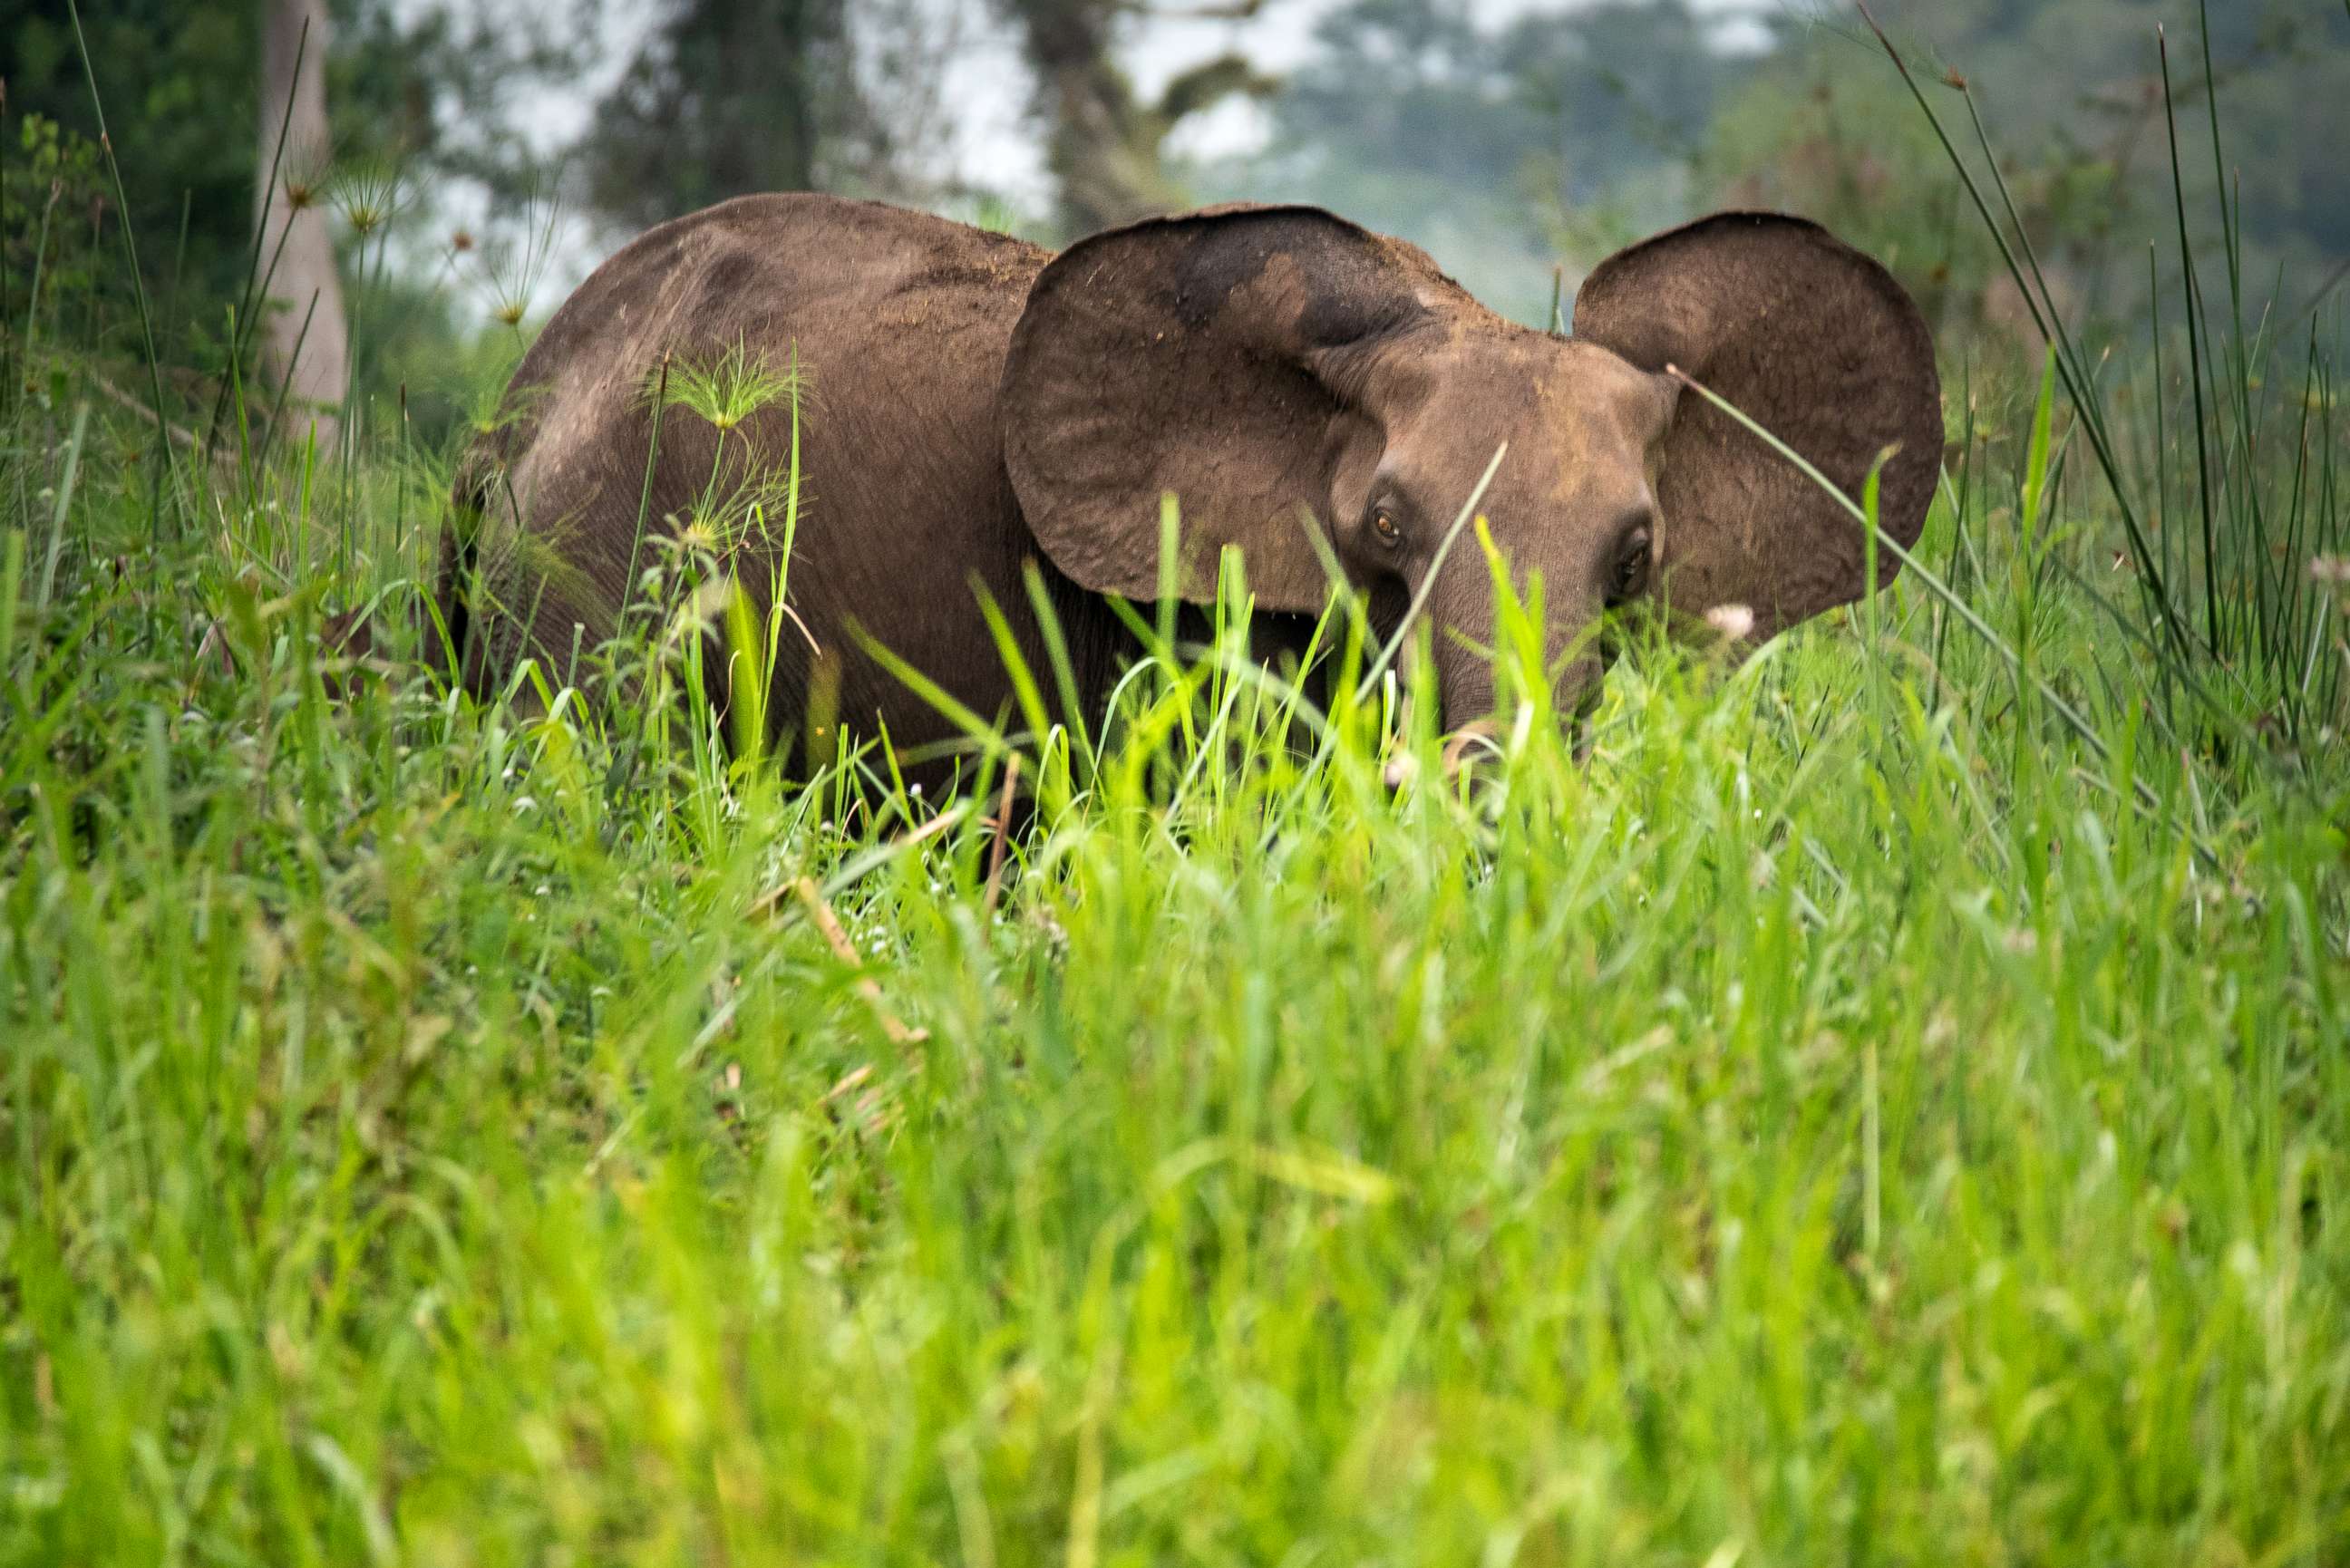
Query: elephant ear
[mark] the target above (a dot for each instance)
(1217, 356)
(1821, 346)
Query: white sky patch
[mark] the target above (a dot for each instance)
(996, 145)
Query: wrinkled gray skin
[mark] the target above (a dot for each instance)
(976, 404)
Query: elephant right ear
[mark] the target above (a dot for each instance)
(1218, 356)
(1821, 346)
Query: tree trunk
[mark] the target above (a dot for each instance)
(303, 286)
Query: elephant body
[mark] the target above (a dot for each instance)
(884, 312)
(968, 404)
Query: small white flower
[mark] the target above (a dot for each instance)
(1733, 621)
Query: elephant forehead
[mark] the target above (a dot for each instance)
(1591, 424)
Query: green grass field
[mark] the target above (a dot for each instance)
(1890, 1106)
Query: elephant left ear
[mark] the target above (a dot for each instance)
(1217, 356)
(1820, 346)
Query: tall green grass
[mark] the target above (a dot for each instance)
(2229, 485)
(1860, 1114)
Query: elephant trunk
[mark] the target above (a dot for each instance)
(1468, 646)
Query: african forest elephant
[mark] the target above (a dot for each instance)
(971, 403)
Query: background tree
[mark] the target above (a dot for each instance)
(305, 338)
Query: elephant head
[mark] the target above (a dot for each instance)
(1280, 369)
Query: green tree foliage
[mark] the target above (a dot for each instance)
(49, 210)
(180, 83)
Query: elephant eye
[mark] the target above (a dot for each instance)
(1383, 524)
(1629, 578)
